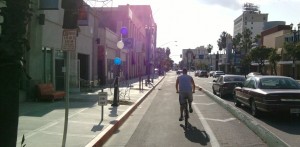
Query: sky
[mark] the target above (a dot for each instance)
(194, 23)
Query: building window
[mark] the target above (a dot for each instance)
(251, 28)
(251, 22)
(246, 23)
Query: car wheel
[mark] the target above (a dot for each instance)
(220, 94)
(214, 92)
(236, 102)
(254, 110)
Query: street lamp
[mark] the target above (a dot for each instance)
(118, 62)
(167, 43)
(295, 40)
(149, 42)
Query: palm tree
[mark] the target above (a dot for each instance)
(209, 48)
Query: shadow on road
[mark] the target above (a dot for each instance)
(193, 134)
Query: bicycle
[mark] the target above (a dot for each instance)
(186, 113)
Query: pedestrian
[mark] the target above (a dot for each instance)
(185, 86)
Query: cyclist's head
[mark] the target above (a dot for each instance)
(184, 71)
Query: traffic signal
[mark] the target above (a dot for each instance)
(71, 13)
(71, 4)
(70, 19)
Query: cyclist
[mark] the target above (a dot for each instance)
(185, 86)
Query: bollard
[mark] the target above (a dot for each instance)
(116, 92)
(102, 108)
(140, 83)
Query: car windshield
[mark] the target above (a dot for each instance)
(278, 83)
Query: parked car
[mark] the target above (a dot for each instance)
(197, 73)
(203, 73)
(225, 84)
(218, 73)
(269, 94)
(251, 74)
(179, 71)
(211, 73)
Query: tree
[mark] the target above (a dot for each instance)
(246, 41)
(209, 48)
(257, 39)
(168, 52)
(222, 40)
(273, 59)
(293, 50)
(13, 44)
(245, 46)
(159, 58)
(259, 55)
(236, 42)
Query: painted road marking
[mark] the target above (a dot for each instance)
(199, 95)
(220, 120)
(207, 104)
(213, 140)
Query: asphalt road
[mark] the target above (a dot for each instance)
(283, 125)
(155, 123)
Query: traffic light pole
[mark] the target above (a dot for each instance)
(116, 88)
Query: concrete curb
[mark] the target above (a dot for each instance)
(266, 135)
(100, 139)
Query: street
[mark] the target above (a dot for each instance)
(282, 125)
(155, 122)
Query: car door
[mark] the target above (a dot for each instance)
(219, 84)
(241, 92)
(248, 90)
(216, 84)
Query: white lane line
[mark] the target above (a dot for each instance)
(207, 104)
(220, 120)
(213, 140)
(199, 95)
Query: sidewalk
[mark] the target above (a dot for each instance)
(42, 123)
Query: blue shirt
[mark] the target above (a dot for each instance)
(185, 83)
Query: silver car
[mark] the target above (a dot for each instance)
(218, 73)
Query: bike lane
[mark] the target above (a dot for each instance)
(155, 123)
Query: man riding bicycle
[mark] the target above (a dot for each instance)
(185, 86)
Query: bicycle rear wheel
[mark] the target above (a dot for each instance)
(186, 116)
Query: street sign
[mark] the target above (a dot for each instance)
(102, 98)
(69, 39)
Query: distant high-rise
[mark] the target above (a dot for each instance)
(251, 19)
